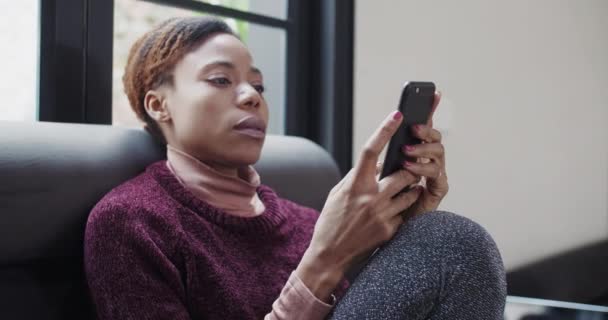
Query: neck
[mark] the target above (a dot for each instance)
(228, 170)
(226, 187)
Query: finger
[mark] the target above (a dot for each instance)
(430, 170)
(394, 183)
(404, 200)
(434, 151)
(434, 107)
(368, 157)
(426, 133)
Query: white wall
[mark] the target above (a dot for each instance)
(19, 64)
(526, 104)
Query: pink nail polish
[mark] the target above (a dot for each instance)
(409, 148)
(407, 164)
(397, 115)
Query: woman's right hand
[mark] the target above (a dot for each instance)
(360, 213)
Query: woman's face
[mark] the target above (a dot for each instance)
(217, 111)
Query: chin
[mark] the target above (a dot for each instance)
(245, 152)
(247, 157)
(244, 161)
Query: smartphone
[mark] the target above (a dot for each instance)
(415, 104)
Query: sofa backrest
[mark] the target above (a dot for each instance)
(51, 176)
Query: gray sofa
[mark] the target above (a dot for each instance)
(51, 176)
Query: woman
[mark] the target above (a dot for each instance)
(198, 237)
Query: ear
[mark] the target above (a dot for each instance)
(155, 103)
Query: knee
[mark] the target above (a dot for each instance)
(451, 230)
(468, 257)
(458, 237)
(463, 245)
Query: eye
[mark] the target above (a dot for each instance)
(221, 81)
(259, 88)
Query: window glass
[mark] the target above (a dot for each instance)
(273, 8)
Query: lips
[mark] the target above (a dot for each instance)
(251, 126)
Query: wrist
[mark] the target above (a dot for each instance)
(321, 277)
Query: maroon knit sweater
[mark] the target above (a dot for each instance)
(155, 251)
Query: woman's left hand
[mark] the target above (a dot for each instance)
(432, 164)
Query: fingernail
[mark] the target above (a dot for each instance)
(397, 115)
(407, 164)
(417, 127)
(408, 148)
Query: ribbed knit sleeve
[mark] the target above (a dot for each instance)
(129, 270)
(297, 302)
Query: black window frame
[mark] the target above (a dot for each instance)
(76, 65)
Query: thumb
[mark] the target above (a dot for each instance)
(434, 108)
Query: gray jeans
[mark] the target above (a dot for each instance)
(439, 265)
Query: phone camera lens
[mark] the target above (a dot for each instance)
(417, 90)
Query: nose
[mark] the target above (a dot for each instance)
(248, 97)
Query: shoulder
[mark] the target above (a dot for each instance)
(132, 198)
(136, 208)
(138, 189)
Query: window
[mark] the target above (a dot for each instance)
(19, 63)
(267, 44)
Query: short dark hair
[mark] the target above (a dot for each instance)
(154, 55)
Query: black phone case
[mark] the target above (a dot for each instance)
(415, 105)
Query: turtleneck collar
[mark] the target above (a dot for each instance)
(235, 195)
